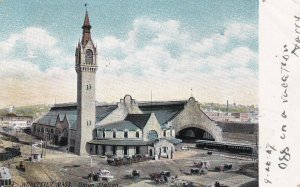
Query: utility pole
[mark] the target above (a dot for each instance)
(31, 149)
(42, 147)
(10, 135)
(91, 164)
(46, 138)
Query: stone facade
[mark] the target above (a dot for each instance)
(125, 106)
(86, 67)
(152, 126)
(57, 134)
(193, 116)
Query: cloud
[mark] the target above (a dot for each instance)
(33, 71)
(164, 56)
(34, 38)
(34, 44)
(234, 31)
(154, 55)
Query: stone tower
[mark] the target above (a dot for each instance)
(86, 68)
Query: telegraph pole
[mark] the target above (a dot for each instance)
(31, 148)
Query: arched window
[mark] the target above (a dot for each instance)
(114, 134)
(152, 135)
(126, 134)
(137, 134)
(42, 130)
(89, 56)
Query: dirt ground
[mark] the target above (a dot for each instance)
(58, 166)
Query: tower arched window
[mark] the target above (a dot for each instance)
(89, 56)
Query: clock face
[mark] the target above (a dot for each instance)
(89, 56)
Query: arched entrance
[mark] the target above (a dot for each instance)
(191, 134)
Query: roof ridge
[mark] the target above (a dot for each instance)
(135, 122)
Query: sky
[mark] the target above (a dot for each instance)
(207, 49)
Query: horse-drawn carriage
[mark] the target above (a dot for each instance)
(135, 174)
(115, 161)
(126, 160)
(140, 158)
(161, 177)
(100, 175)
(223, 168)
(21, 166)
(218, 184)
(198, 171)
(202, 164)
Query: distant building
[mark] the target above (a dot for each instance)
(235, 117)
(16, 121)
(5, 177)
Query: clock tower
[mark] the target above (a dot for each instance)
(86, 68)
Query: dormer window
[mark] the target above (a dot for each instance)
(114, 134)
(126, 134)
(137, 134)
(165, 133)
(103, 134)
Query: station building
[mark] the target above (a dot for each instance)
(127, 127)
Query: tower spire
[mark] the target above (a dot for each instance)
(86, 29)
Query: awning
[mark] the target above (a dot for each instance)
(121, 142)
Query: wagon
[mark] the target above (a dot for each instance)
(157, 178)
(227, 167)
(21, 166)
(202, 164)
(197, 171)
(135, 174)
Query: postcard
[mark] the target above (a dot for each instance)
(147, 93)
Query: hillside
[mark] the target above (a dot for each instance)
(33, 110)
